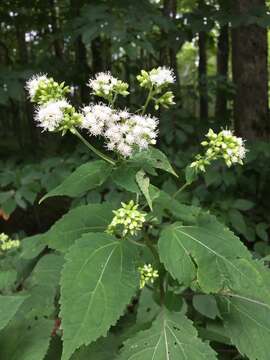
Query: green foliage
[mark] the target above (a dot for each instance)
(72, 291)
(203, 251)
(88, 176)
(21, 188)
(9, 307)
(77, 222)
(170, 336)
(26, 340)
(98, 281)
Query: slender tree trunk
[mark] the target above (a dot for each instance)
(22, 46)
(26, 110)
(203, 75)
(57, 43)
(82, 68)
(222, 71)
(249, 55)
(168, 54)
(97, 60)
(4, 54)
(81, 63)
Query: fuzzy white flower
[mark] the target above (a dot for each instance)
(33, 83)
(161, 76)
(103, 83)
(123, 132)
(50, 115)
(124, 149)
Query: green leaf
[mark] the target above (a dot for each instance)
(7, 280)
(238, 221)
(86, 177)
(147, 308)
(172, 336)
(245, 309)
(242, 204)
(198, 252)
(179, 211)
(102, 349)
(42, 285)
(261, 231)
(153, 158)
(82, 219)
(32, 246)
(144, 182)
(9, 305)
(98, 281)
(125, 177)
(206, 305)
(190, 174)
(25, 340)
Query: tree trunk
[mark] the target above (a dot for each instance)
(250, 74)
(22, 46)
(82, 68)
(97, 60)
(57, 43)
(169, 53)
(27, 112)
(222, 71)
(203, 75)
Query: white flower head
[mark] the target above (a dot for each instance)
(124, 149)
(103, 83)
(162, 76)
(123, 132)
(33, 83)
(50, 115)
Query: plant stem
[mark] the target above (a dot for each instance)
(149, 97)
(92, 148)
(113, 100)
(181, 189)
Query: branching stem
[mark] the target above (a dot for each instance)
(92, 148)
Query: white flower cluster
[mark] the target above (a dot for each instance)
(107, 86)
(50, 115)
(33, 84)
(124, 132)
(104, 82)
(161, 76)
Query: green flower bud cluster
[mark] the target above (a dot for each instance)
(166, 100)
(107, 86)
(7, 244)
(147, 274)
(43, 89)
(223, 145)
(121, 88)
(128, 218)
(156, 82)
(71, 119)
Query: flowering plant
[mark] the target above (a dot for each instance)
(153, 260)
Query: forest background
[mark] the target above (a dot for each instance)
(218, 50)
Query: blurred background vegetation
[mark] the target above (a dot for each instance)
(218, 50)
